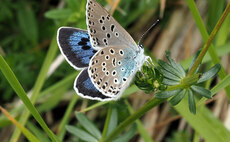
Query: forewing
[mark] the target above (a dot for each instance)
(104, 30)
(111, 70)
(85, 88)
(75, 46)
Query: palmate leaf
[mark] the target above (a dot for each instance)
(83, 135)
(169, 82)
(88, 125)
(191, 102)
(169, 68)
(177, 98)
(167, 94)
(202, 91)
(210, 73)
(194, 59)
(177, 66)
(169, 75)
(127, 136)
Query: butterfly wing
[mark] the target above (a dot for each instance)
(104, 30)
(75, 46)
(112, 68)
(85, 88)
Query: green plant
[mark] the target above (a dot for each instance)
(28, 44)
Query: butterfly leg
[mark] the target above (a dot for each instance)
(149, 61)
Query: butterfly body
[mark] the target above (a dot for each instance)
(106, 54)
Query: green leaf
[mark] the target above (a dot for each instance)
(127, 136)
(28, 24)
(181, 69)
(166, 94)
(113, 121)
(169, 82)
(194, 59)
(169, 75)
(222, 50)
(141, 129)
(65, 119)
(36, 89)
(177, 98)
(221, 85)
(210, 73)
(212, 52)
(210, 128)
(177, 66)
(25, 131)
(15, 84)
(191, 102)
(88, 125)
(37, 132)
(74, 4)
(169, 68)
(180, 136)
(81, 134)
(202, 91)
(58, 14)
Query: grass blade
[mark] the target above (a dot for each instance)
(26, 132)
(8, 73)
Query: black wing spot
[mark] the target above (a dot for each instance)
(106, 83)
(108, 35)
(108, 17)
(114, 73)
(112, 28)
(121, 52)
(103, 64)
(114, 62)
(103, 28)
(81, 43)
(107, 57)
(85, 39)
(85, 47)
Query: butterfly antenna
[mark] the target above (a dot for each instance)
(154, 24)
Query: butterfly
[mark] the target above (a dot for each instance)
(106, 54)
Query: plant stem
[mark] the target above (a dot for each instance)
(140, 112)
(208, 43)
(61, 128)
(105, 130)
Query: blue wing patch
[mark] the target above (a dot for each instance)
(75, 46)
(85, 88)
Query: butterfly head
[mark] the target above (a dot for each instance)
(141, 46)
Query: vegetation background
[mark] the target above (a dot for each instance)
(28, 45)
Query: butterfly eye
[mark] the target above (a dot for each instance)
(141, 46)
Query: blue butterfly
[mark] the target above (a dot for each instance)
(106, 54)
